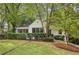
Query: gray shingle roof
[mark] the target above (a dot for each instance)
(26, 23)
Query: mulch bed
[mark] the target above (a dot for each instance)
(67, 47)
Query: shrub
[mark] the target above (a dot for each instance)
(58, 37)
(36, 36)
(40, 36)
(21, 36)
(15, 36)
(74, 40)
(48, 39)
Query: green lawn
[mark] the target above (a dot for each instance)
(31, 48)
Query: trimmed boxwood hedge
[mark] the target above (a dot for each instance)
(36, 35)
(58, 37)
(24, 36)
(15, 36)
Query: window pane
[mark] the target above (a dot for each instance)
(33, 30)
(19, 30)
(37, 30)
(41, 30)
(23, 30)
(26, 30)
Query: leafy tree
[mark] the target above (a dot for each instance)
(65, 18)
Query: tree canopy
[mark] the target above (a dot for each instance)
(57, 16)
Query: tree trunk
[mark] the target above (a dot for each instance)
(8, 26)
(48, 20)
(40, 17)
(66, 37)
(14, 27)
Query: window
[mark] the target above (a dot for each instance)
(23, 30)
(19, 30)
(41, 30)
(26, 31)
(33, 30)
(37, 30)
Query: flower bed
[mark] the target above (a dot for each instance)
(67, 47)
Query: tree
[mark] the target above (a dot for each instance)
(44, 12)
(65, 18)
(11, 12)
(2, 17)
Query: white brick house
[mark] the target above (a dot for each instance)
(34, 26)
(31, 27)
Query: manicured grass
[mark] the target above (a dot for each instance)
(31, 48)
(6, 45)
